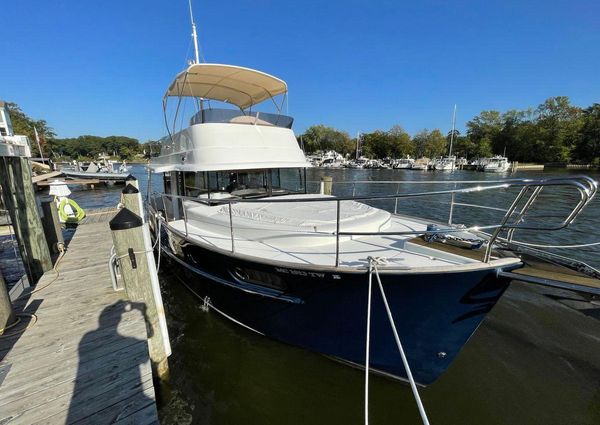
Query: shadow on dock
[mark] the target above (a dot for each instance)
(93, 378)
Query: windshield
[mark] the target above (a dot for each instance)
(245, 183)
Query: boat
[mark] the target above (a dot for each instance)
(497, 164)
(444, 163)
(403, 163)
(421, 164)
(236, 218)
(448, 163)
(479, 163)
(331, 159)
(104, 169)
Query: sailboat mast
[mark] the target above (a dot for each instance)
(453, 129)
(194, 34)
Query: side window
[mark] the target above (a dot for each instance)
(194, 183)
(167, 181)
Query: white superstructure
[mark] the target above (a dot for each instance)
(229, 139)
(497, 164)
(11, 144)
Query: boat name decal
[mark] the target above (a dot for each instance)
(301, 273)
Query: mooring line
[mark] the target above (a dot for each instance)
(373, 261)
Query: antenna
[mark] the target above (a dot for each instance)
(194, 34)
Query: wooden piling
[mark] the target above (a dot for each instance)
(326, 185)
(132, 200)
(19, 198)
(7, 316)
(133, 247)
(132, 181)
(52, 227)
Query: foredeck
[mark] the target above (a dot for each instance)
(86, 358)
(399, 252)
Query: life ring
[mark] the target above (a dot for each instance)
(69, 211)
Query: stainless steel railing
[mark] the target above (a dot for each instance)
(515, 216)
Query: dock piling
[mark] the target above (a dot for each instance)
(7, 316)
(19, 198)
(132, 200)
(52, 227)
(132, 181)
(133, 248)
(326, 185)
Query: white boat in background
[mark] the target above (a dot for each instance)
(448, 163)
(331, 159)
(104, 169)
(445, 163)
(358, 163)
(479, 163)
(421, 164)
(403, 163)
(497, 164)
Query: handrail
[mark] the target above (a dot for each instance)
(514, 217)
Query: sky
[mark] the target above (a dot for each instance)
(102, 66)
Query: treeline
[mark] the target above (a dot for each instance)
(555, 131)
(80, 148)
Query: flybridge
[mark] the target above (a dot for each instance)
(228, 139)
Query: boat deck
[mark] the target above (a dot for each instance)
(400, 252)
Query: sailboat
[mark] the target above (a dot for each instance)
(448, 163)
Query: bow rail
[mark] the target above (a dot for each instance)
(516, 217)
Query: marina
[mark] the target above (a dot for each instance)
(542, 316)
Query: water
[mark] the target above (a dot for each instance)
(534, 360)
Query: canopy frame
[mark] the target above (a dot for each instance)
(249, 77)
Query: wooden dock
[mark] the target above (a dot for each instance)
(86, 357)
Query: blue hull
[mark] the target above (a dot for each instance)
(324, 311)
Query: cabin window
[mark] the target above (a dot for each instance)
(167, 182)
(287, 180)
(217, 181)
(245, 183)
(195, 184)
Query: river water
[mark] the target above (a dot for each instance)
(534, 360)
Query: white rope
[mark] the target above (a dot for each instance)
(158, 242)
(367, 350)
(413, 385)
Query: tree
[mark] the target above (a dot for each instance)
(377, 144)
(420, 142)
(436, 144)
(587, 146)
(24, 125)
(323, 138)
(558, 125)
(483, 130)
(400, 143)
(429, 143)
(463, 147)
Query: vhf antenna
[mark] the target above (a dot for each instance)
(194, 34)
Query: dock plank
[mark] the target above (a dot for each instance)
(86, 359)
